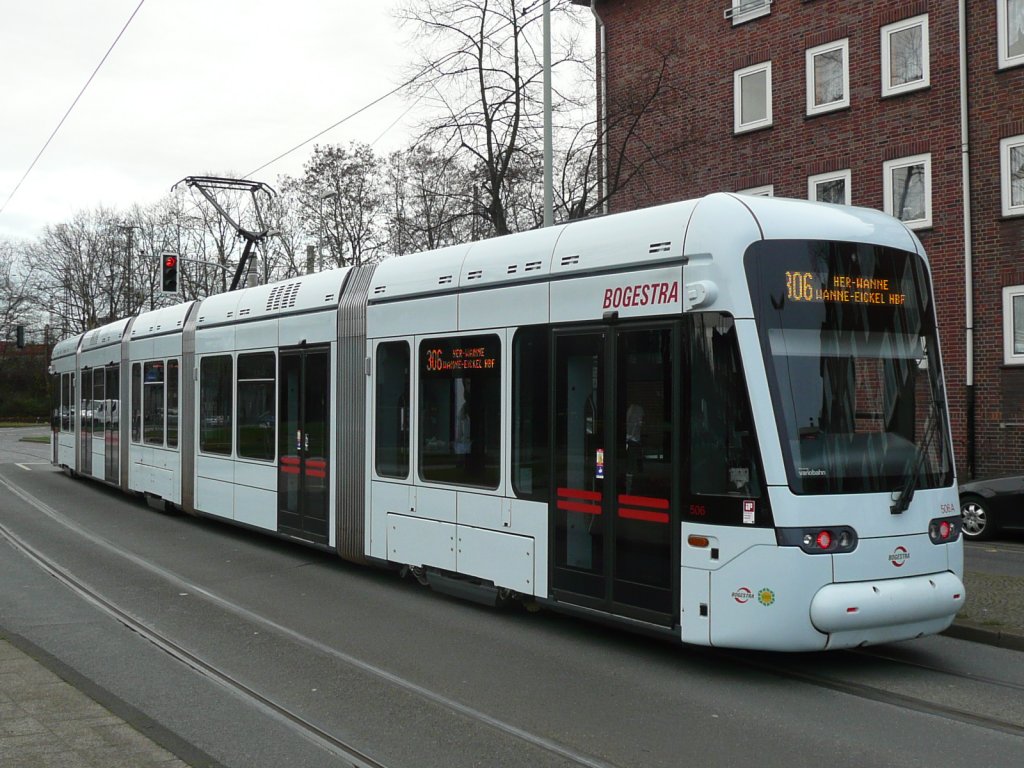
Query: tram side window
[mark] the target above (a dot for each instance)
(723, 449)
(172, 404)
(460, 410)
(153, 402)
(530, 428)
(55, 390)
(215, 406)
(256, 413)
(391, 416)
(85, 405)
(137, 402)
(66, 400)
(99, 398)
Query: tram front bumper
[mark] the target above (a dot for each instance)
(887, 603)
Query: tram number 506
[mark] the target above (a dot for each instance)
(800, 286)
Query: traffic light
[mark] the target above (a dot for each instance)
(169, 267)
(19, 335)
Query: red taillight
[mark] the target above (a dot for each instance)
(823, 540)
(945, 529)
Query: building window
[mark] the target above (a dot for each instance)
(257, 398)
(1013, 325)
(1011, 167)
(905, 56)
(460, 411)
(767, 190)
(1010, 15)
(753, 97)
(744, 10)
(831, 187)
(828, 77)
(908, 190)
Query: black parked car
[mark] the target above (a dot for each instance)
(989, 506)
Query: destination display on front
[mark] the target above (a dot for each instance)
(842, 289)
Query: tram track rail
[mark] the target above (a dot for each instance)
(883, 695)
(192, 659)
(779, 667)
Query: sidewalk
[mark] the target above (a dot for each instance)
(994, 614)
(46, 722)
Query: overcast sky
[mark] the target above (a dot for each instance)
(193, 87)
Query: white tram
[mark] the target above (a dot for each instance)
(720, 419)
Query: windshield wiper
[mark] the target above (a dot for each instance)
(906, 494)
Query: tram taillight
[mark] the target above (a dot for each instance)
(819, 541)
(944, 530)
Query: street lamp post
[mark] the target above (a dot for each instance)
(127, 271)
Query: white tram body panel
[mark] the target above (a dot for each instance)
(231, 482)
(64, 430)
(153, 386)
(588, 415)
(99, 363)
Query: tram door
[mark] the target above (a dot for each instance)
(614, 511)
(112, 422)
(304, 444)
(99, 429)
(86, 421)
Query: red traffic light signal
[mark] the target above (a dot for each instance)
(169, 273)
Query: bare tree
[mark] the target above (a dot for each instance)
(481, 72)
(429, 200)
(605, 160)
(15, 295)
(340, 200)
(75, 265)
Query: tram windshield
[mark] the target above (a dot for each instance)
(848, 336)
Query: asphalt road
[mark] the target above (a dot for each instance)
(1004, 557)
(417, 679)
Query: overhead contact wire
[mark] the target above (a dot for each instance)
(71, 108)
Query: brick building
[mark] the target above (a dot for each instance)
(858, 103)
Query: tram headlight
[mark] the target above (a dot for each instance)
(944, 530)
(834, 540)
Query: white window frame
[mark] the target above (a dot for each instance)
(737, 81)
(1013, 142)
(1003, 28)
(742, 11)
(891, 165)
(768, 190)
(843, 175)
(887, 32)
(817, 109)
(1011, 292)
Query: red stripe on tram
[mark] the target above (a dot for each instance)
(290, 460)
(643, 501)
(316, 463)
(643, 514)
(576, 506)
(652, 514)
(316, 473)
(289, 469)
(577, 493)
